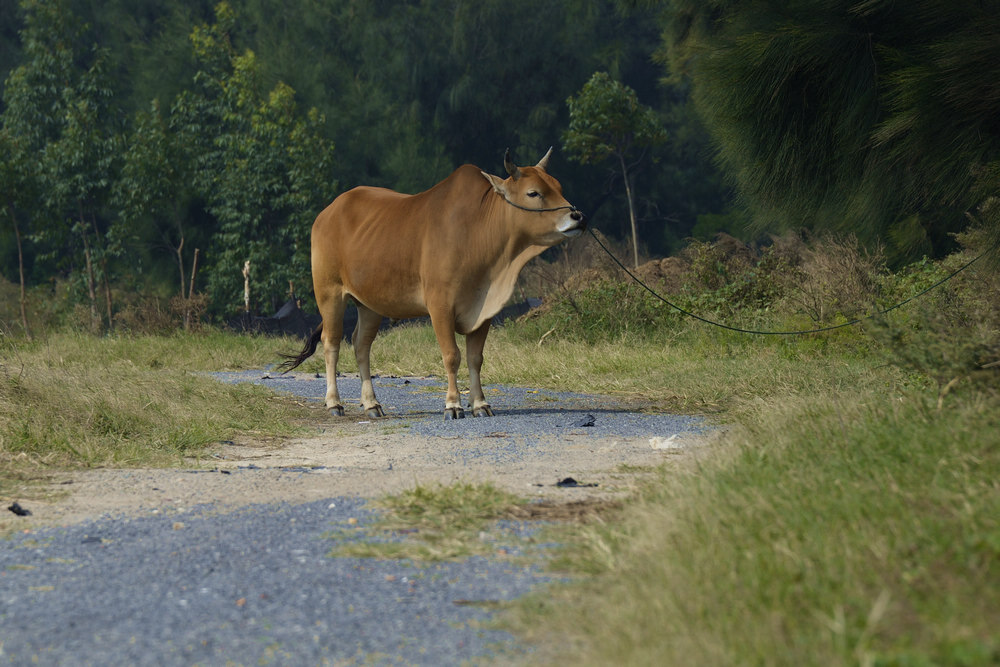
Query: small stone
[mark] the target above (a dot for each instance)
(18, 510)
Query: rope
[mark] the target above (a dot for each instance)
(536, 210)
(786, 333)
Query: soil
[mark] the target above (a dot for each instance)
(358, 457)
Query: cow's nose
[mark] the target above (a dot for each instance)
(576, 215)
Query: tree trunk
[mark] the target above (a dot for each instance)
(180, 265)
(91, 287)
(107, 294)
(20, 269)
(106, 276)
(631, 211)
(187, 309)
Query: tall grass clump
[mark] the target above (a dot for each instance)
(827, 533)
(74, 399)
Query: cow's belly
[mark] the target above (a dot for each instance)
(398, 298)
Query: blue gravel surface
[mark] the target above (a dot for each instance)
(251, 587)
(257, 586)
(519, 410)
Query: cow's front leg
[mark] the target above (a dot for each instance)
(444, 330)
(364, 334)
(474, 343)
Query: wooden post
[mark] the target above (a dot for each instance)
(190, 294)
(20, 269)
(246, 287)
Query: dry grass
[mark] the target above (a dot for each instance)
(77, 400)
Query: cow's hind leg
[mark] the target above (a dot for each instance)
(444, 330)
(474, 343)
(364, 334)
(331, 307)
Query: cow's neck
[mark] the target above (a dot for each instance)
(501, 278)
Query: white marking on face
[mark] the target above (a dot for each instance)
(569, 227)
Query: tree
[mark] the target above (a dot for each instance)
(607, 121)
(26, 127)
(16, 187)
(78, 170)
(155, 187)
(875, 117)
(54, 122)
(265, 170)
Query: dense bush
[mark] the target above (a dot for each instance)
(950, 333)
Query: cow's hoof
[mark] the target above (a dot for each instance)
(454, 413)
(337, 410)
(375, 412)
(483, 411)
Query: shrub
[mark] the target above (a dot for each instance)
(836, 276)
(952, 332)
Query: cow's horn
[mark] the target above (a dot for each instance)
(509, 165)
(544, 162)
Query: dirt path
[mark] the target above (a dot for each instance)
(538, 439)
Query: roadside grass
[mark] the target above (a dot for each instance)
(861, 530)
(850, 515)
(75, 400)
(447, 522)
(687, 369)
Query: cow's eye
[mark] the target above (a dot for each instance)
(532, 193)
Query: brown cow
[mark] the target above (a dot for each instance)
(453, 252)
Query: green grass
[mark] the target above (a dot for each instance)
(75, 400)
(686, 369)
(832, 532)
(431, 523)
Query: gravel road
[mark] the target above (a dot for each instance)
(235, 582)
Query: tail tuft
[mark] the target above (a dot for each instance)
(293, 360)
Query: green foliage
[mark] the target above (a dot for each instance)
(872, 118)
(407, 92)
(607, 120)
(607, 310)
(58, 120)
(265, 174)
(790, 284)
(951, 334)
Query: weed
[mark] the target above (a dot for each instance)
(437, 522)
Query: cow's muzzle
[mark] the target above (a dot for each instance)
(576, 224)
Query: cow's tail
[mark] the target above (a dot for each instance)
(293, 360)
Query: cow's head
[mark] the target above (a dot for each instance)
(543, 212)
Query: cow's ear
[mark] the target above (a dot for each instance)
(496, 182)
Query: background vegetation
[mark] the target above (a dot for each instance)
(133, 135)
(171, 127)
